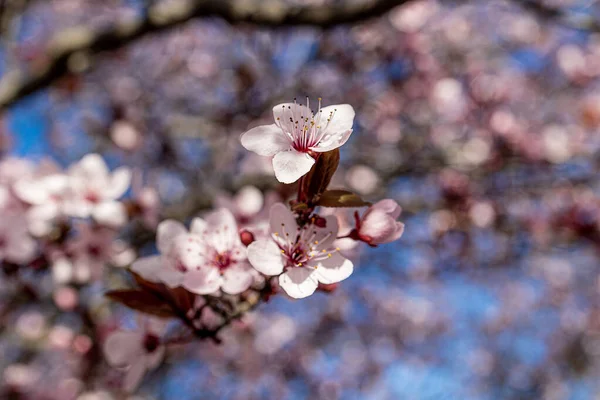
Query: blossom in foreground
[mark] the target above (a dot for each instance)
(209, 257)
(298, 135)
(94, 191)
(378, 224)
(137, 351)
(301, 256)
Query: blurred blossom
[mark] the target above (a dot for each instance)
(378, 224)
(137, 351)
(125, 135)
(277, 330)
(363, 179)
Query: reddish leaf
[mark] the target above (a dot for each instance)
(143, 301)
(320, 175)
(341, 198)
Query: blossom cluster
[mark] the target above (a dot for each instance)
(68, 219)
(76, 221)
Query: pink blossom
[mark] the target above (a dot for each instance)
(297, 136)
(94, 191)
(378, 224)
(302, 257)
(209, 257)
(137, 351)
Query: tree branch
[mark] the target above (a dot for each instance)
(70, 50)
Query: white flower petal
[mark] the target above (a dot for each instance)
(282, 220)
(170, 277)
(334, 269)
(30, 191)
(166, 232)
(198, 226)
(289, 166)
(343, 118)
(223, 231)
(204, 281)
(298, 282)
(148, 268)
(119, 183)
(110, 213)
(121, 348)
(330, 142)
(265, 140)
(388, 206)
(134, 375)
(154, 359)
(265, 257)
(91, 167)
(237, 278)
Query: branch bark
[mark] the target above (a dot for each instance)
(70, 51)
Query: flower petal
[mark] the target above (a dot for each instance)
(282, 220)
(119, 183)
(388, 206)
(237, 278)
(298, 282)
(110, 213)
(343, 117)
(265, 257)
(121, 348)
(198, 226)
(166, 232)
(148, 268)
(334, 269)
(170, 277)
(265, 140)
(204, 281)
(91, 167)
(333, 141)
(289, 166)
(134, 375)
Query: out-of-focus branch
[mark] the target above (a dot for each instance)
(580, 21)
(70, 50)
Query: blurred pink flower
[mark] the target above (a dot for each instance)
(94, 191)
(209, 257)
(302, 257)
(378, 224)
(297, 135)
(138, 351)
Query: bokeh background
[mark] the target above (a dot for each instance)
(480, 118)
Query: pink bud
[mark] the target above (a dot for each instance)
(378, 224)
(246, 237)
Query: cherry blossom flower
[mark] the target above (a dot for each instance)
(137, 351)
(301, 256)
(378, 225)
(15, 243)
(298, 135)
(94, 191)
(86, 253)
(209, 257)
(46, 195)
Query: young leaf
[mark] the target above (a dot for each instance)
(142, 301)
(319, 176)
(341, 198)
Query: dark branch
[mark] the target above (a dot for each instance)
(70, 51)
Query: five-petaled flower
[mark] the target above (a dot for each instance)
(303, 256)
(209, 257)
(378, 224)
(138, 351)
(298, 136)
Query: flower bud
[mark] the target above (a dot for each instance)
(378, 224)
(246, 237)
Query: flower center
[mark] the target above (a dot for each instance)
(151, 342)
(304, 131)
(92, 197)
(223, 261)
